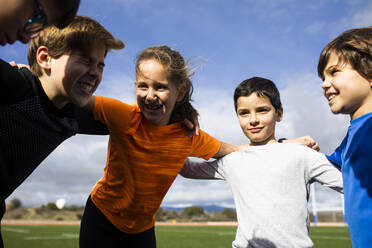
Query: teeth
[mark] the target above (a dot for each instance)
(331, 97)
(153, 107)
(86, 86)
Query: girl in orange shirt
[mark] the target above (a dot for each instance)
(148, 146)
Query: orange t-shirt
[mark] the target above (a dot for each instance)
(142, 162)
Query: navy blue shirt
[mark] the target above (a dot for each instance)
(354, 157)
(31, 127)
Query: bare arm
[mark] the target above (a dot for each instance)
(227, 148)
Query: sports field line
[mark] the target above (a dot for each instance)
(17, 230)
(329, 237)
(62, 236)
(328, 231)
(193, 231)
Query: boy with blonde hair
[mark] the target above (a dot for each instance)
(345, 66)
(39, 111)
(270, 180)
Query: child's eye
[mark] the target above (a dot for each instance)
(84, 61)
(262, 110)
(141, 86)
(243, 113)
(101, 67)
(161, 87)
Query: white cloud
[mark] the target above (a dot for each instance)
(364, 17)
(315, 27)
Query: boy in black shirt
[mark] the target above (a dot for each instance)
(37, 113)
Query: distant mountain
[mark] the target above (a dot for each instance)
(211, 208)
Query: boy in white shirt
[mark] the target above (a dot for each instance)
(270, 181)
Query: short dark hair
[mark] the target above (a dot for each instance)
(354, 47)
(260, 86)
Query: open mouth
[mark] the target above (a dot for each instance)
(154, 107)
(87, 87)
(330, 97)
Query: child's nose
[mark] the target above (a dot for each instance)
(151, 94)
(326, 84)
(94, 71)
(253, 119)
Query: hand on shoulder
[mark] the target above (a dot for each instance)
(304, 140)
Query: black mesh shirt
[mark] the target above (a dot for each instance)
(31, 127)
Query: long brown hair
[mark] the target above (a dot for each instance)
(178, 74)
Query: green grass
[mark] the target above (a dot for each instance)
(167, 236)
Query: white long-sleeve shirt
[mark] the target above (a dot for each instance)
(271, 187)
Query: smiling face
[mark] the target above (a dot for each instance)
(257, 118)
(75, 76)
(156, 95)
(346, 90)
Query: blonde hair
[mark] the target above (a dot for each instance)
(81, 34)
(178, 74)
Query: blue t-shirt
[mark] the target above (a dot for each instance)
(354, 157)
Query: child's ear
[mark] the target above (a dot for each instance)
(181, 93)
(279, 113)
(42, 58)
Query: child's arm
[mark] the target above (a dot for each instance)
(326, 174)
(87, 123)
(227, 148)
(200, 170)
(304, 140)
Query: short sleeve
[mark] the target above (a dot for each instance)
(204, 146)
(116, 115)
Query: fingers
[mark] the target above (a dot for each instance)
(188, 124)
(191, 130)
(197, 128)
(316, 147)
(12, 63)
(310, 142)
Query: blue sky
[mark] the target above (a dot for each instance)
(227, 42)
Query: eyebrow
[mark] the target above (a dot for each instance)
(332, 67)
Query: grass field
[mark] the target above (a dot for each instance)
(167, 236)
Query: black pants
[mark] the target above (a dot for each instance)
(97, 231)
(2, 211)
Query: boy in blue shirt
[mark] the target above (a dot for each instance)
(345, 66)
